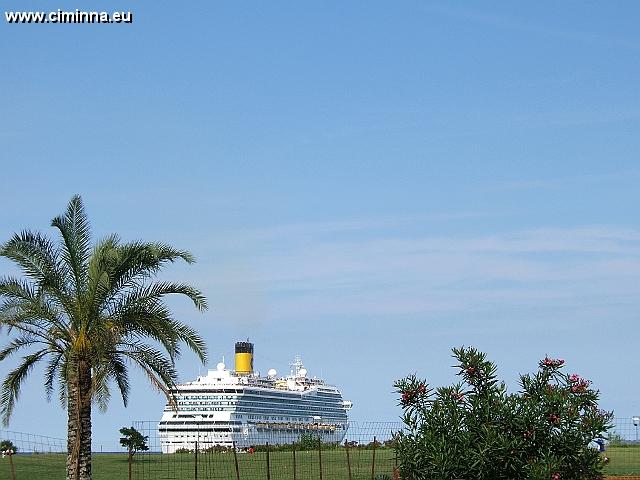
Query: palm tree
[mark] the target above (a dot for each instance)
(89, 313)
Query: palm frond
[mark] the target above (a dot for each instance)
(75, 230)
(156, 291)
(159, 370)
(100, 391)
(22, 295)
(63, 377)
(16, 289)
(138, 261)
(122, 379)
(103, 261)
(151, 320)
(116, 370)
(50, 374)
(23, 305)
(17, 344)
(189, 336)
(10, 390)
(37, 257)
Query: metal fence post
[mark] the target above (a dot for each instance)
(294, 461)
(396, 472)
(195, 471)
(346, 447)
(235, 458)
(268, 466)
(12, 466)
(320, 455)
(373, 461)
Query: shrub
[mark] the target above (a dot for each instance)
(217, 449)
(617, 440)
(375, 444)
(306, 441)
(8, 445)
(476, 430)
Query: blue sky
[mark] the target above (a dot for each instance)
(367, 184)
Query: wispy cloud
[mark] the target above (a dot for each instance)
(323, 270)
(298, 231)
(563, 182)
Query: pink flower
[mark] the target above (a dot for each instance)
(550, 362)
(457, 396)
(555, 476)
(580, 385)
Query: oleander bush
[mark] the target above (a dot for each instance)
(476, 430)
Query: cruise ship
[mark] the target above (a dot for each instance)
(240, 408)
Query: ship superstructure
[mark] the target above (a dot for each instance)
(239, 407)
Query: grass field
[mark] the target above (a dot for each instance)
(210, 466)
(624, 462)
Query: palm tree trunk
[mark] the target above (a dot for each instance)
(79, 425)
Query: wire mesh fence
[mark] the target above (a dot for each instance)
(35, 456)
(623, 448)
(34, 444)
(365, 451)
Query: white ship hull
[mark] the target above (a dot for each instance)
(245, 436)
(225, 409)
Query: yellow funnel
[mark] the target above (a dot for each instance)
(244, 358)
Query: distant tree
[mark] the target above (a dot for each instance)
(8, 448)
(133, 440)
(7, 445)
